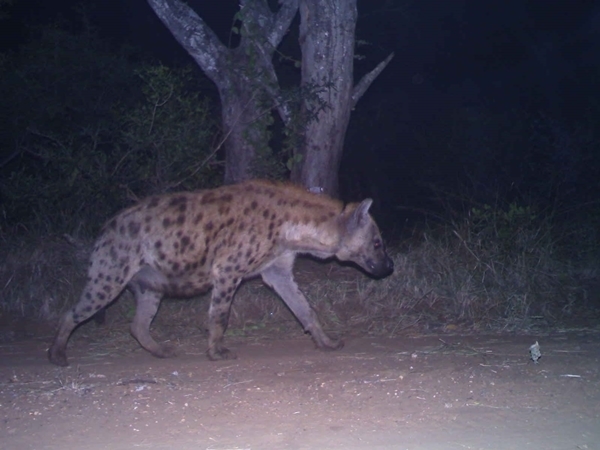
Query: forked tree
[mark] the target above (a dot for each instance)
(249, 89)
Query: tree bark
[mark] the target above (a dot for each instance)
(327, 32)
(244, 76)
(248, 86)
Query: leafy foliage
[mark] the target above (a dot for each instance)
(84, 136)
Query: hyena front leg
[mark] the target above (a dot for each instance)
(279, 276)
(218, 318)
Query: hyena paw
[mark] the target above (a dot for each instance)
(216, 354)
(165, 351)
(58, 357)
(330, 344)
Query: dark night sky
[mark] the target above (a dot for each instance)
(448, 54)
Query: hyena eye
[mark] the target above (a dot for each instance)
(377, 244)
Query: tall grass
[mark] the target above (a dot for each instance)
(495, 268)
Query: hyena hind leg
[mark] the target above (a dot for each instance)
(218, 318)
(147, 303)
(83, 310)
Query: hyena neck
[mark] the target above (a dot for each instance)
(317, 240)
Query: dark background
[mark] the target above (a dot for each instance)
(488, 99)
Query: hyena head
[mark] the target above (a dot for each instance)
(361, 240)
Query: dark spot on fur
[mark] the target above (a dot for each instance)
(88, 295)
(223, 319)
(175, 266)
(166, 222)
(161, 256)
(230, 221)
(153, 202)
(203, 260)
(122, 230)
(254, 204)
(185, 241)
(209, 197)
(101, 296)
(180, 219)
(208, 227)
(178, 200)
(158, 244)
(134, 229)
(198, 218)
(98, 307)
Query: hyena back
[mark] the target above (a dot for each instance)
(184, 244)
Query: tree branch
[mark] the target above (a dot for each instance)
(366, 81)
(274, 26)
(194, 36)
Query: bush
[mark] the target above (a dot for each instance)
(497, 267)
(93, 131)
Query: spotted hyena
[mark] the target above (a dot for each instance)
(183, 244)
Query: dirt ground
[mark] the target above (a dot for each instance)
(426, 392)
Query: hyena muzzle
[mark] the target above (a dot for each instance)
(183, 244)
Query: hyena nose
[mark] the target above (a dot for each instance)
(381, 268)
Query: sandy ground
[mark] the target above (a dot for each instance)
(428, 392)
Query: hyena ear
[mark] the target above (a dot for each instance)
(360, 216)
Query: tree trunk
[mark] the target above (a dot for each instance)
(246, 80)
(244, 76)
(327, 40)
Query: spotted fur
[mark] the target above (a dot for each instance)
(187, 243)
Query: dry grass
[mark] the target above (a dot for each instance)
(40, 277)
(483, 272)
